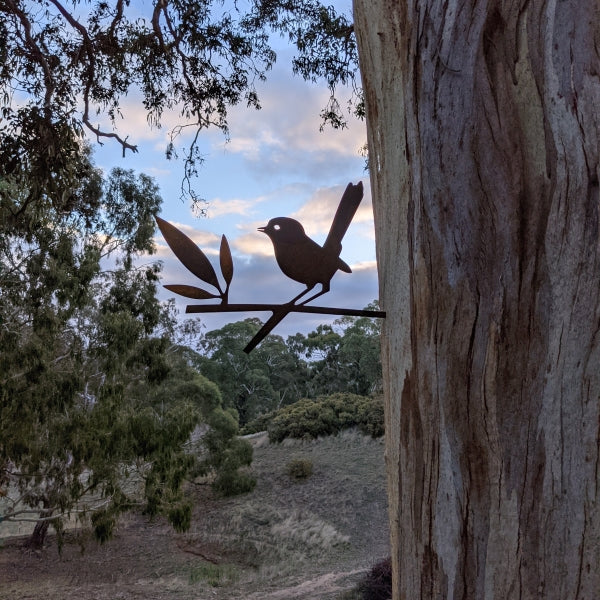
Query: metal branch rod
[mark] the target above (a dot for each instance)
(322, 310)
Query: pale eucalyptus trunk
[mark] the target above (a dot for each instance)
(483, 125)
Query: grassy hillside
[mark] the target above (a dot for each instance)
(290, 538)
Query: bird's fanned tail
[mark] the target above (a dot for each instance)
(343, 217)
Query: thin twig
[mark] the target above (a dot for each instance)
(91, 73)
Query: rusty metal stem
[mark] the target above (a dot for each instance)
(322, 310)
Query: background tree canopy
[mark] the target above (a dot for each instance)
(64, 66)
(343, 357)
(85, 361)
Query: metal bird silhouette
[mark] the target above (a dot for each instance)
(299, 257)
(303, 260)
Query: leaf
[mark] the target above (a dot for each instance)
(189, 291)
(188, 253)
(226, 261)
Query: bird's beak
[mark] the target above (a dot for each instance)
(263, 229)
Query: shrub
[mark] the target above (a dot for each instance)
(371, 418)
(300, 468)
(226, 455)
(377, 583)
(232, 483)
(103, 522)
(259, 424)
(214, 575)
(327, 416)
(180, 516)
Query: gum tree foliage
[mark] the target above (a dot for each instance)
(72, 334)
(84, 346)
(185, 412)
(267, 378)
(65, 68)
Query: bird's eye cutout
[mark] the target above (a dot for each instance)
(277, 227)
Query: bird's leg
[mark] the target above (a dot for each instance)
(324, 290)
(308, 288)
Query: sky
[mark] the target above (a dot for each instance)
(276, 162)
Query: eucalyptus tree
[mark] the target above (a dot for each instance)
(339, 358)
(271, 376)
(83, 350)
(343, 357)
(484, 147)
(360, 352)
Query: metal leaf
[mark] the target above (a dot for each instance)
(189, 291)
(226, 261)
(188, 253)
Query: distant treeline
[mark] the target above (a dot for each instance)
(339, 358)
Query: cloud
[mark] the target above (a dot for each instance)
(317, 214)
(285, 136)
(157, 172)
(279, 195)
(250, 140)
(134, 122)
(218, 207)
(365, 265)
(253, 244)
(208, 241)
(278, 143)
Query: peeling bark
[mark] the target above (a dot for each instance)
(483, 122)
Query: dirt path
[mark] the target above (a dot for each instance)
(321, 587)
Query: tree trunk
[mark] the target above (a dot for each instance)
(38, 535)
(483, 130)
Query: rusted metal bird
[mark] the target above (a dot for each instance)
(303, 260)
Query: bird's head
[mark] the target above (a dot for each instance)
(285, 230)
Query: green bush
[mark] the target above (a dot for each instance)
(259, 424)
(103, 522)
(232, 483)
(180, 516)
(300, 468)
(226, 454)
(372, 419)
(329, 415)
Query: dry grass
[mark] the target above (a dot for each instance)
(309, 538)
